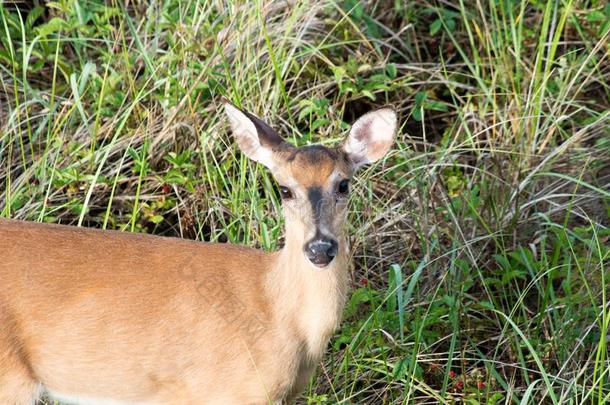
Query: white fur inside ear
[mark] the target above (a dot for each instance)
(247, 137)
(371, 136)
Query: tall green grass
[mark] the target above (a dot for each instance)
(480, 245)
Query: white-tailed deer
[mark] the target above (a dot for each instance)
(103, 317)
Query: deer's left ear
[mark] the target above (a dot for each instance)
(371, 137)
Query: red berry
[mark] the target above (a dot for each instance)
(166, 189)
(481, 385)
(364, 282)
(459, 385)
(451, 374)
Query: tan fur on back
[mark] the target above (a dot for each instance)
(142, 317)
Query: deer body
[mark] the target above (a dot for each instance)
(103, 317)
(136, 313)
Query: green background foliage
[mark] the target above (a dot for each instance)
(480, 244)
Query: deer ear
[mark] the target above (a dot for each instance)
(371, 137)
(255, 138)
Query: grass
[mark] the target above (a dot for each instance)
(480, 246)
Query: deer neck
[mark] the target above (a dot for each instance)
(308, 300)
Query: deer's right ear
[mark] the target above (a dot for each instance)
(255, 138)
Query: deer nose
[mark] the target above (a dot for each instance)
(321, 251)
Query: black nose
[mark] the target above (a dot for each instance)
(321, 251)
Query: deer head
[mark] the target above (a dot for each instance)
(314, 180)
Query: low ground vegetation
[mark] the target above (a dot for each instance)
(480, 244)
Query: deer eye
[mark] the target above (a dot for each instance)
(343, 187)
(285, 193)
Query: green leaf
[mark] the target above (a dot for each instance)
(435, 26)
(33, 16)
(437, 106)
(486, 305)
(358, 297)
(596, 16)
(319, 123)
(404, 367)
(450, 25)
(420, 97)
(355, 7)
(156, 219)
(511, 275)
(339, 73)
(401, 368)
(54, 25)
(396, 282)
(417, 114)
(391, 71)
(368, 94)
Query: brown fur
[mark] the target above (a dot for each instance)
(142, 318)
(312, 166)
(146, 319)
(105, 317)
